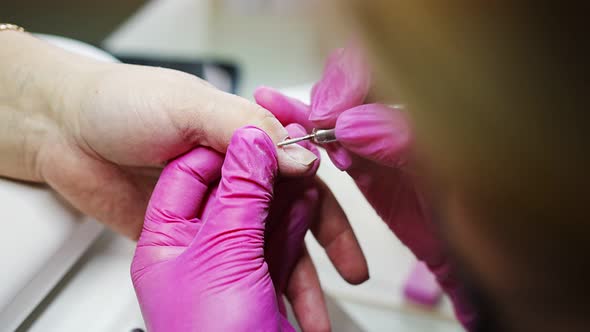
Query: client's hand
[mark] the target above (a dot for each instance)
(99, 133)
(122, 125)
(200, 261)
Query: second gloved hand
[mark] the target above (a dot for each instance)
(200, 261)
(374, 145)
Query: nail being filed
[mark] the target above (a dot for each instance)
(318, 136)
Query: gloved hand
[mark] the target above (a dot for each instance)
(374, 145)
(200, 263)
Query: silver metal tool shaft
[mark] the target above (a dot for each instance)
(318, 136)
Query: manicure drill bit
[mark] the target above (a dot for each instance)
(318, 136)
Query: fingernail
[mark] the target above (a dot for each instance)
(300, 154)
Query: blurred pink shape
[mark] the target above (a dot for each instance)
(421, 286)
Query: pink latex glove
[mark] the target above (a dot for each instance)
(200, 262)
(374, 143)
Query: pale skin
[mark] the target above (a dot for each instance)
(100, 133)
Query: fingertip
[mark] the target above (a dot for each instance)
(298, 159)
(297, 130)
(357, 280)
(386, 133)
(286, 109)
(263, 95)
(350, 262)
(323, 117)
(335, 234)
(339, 156)
(306, 296)
(344, 84)
(247, 182)
(253, 144)
(251, 156)
(293, 160)
(347, 256)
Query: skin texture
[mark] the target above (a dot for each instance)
(374, 146)
(207, 252)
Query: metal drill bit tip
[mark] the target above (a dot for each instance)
(318, 136)
(295, 140)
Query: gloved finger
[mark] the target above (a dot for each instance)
(306, 296)
(333, 232)
(245, 192)
(376, 132)
(179, 194)
(287, 110)
(340, 157)
(183, 183)
(344, 84)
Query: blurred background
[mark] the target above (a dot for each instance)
(89, 21)
(272, 42)
(237, 45)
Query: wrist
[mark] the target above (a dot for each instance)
(69, 81)
(37, 84)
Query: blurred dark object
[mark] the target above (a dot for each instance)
(88, 21)
(222, 75)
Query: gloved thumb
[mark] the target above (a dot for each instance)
(229, 248)
(245, 192)
(376, 132)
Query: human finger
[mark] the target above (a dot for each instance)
(306, 296)
(333, 232)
